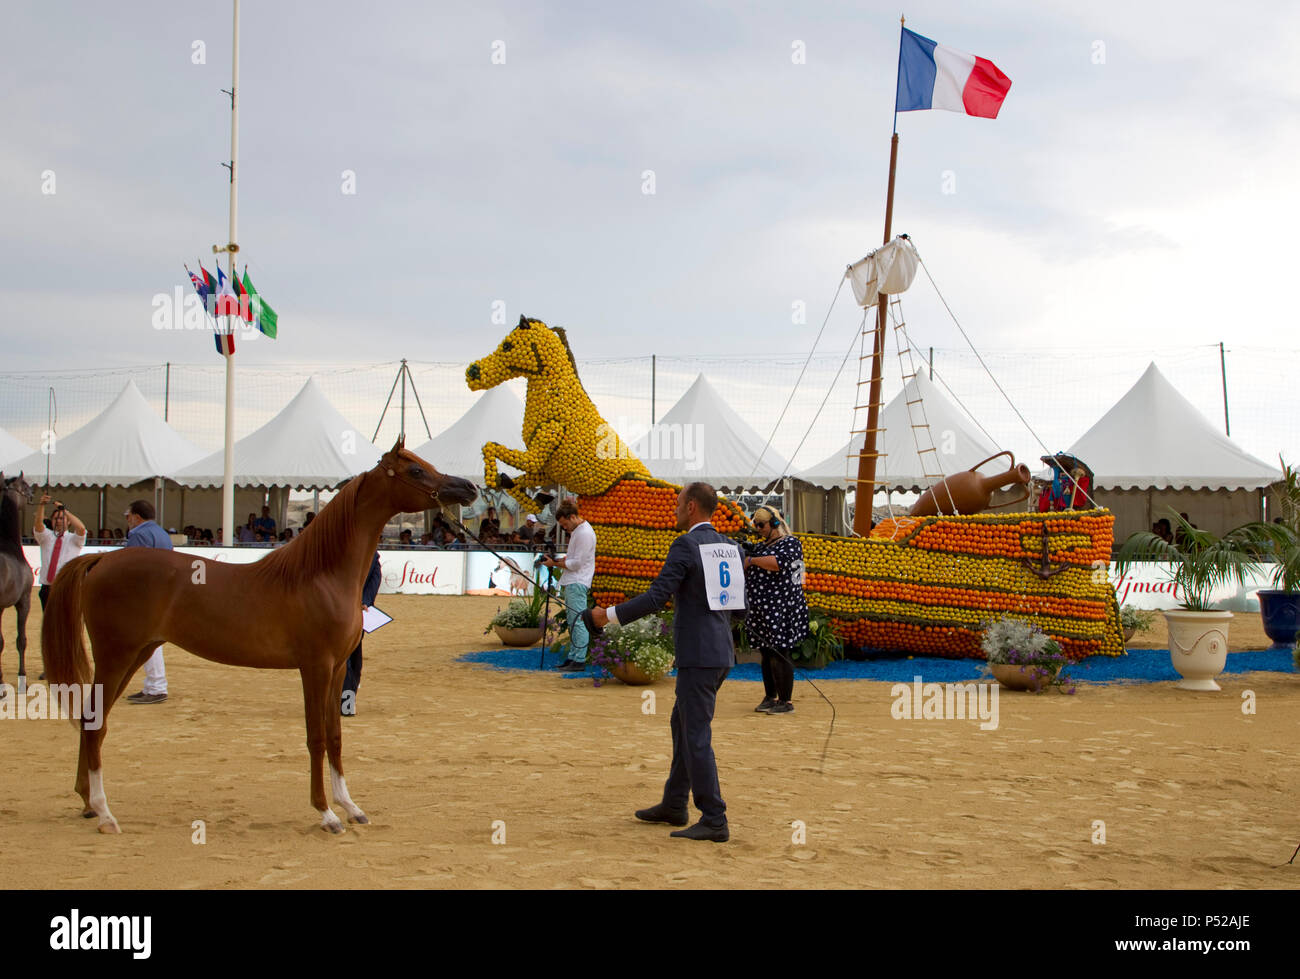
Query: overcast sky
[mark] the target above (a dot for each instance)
(1138, 188)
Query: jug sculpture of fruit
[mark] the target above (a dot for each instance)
(970, 491)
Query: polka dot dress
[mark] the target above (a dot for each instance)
(777, 613)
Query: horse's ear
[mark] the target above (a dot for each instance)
(523, 323)
(399, 444)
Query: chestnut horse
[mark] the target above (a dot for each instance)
(15, 572)
(298, 608)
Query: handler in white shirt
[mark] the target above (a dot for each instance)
(579, 564)
(58, 546)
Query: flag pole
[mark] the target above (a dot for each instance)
(228, 472)
(866, 486)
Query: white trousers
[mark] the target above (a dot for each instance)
(155, 674)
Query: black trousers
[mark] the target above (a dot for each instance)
(352, 678)
(43, 593)
(693, 770)
(778, 673)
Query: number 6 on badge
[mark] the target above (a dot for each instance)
(724, 576)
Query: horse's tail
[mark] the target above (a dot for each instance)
(62, 646)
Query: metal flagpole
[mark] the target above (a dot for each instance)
(228, 479)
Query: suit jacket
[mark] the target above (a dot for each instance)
(701, 636)
(375, 578)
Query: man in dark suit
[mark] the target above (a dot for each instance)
(703, 576)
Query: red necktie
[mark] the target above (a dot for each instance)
(54, 559)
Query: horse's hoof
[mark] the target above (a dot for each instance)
(361, 818)
(109, 827)
(335, 829)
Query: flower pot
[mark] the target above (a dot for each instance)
(631, 674)
(1016, 677)
(1280, 611)
(518, 637)
(1129, 633)
(1198, 646)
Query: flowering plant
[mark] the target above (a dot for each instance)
(647, 643)
(1014, 642)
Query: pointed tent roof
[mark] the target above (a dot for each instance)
(703, 438)
(1154, 438)
(497, 416)
(11, 450)
(308, 445)
(124, 444)
(959, 442)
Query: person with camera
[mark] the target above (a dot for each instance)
(579, 566)
(58, 546)
(777, 618)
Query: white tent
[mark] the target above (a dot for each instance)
(1154, 438)
(702, 438)
(497, 416)
(11, 450)
(1154, 450)
(125, 444)
(958, 443)
(308, 445)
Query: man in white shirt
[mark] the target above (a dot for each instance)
(58, 546)
(579, 564)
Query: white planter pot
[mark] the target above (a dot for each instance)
(1198, 646)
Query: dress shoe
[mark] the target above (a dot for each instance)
(781, 707)
(703, 831)
(765, 706)
(662, 814)
(574, 666)
(146, 698)
(561, 666)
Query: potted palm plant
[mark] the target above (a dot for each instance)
(1198, 633)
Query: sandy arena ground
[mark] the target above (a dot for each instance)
(1192, 791)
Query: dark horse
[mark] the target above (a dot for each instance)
(298, 608)
(15, 572)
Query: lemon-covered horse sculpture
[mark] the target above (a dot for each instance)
(566, 442)
(923, 585)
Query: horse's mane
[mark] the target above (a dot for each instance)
(564, 339)
(317, 548)
(11, 537)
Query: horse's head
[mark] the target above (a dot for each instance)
(17, 485)
(416, 485)
(531, 349)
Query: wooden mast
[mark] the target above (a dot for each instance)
(866, 485)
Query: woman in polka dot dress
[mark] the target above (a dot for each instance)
(776, 618)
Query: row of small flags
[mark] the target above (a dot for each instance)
(231, 297)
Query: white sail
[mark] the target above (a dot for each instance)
(889, 269)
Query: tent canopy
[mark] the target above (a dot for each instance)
(497, 416)
(124, 444)
(308, 445)
(703, 438)
(1154, 438)
(958, 442)
(11, 450)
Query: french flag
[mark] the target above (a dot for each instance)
(931, 76)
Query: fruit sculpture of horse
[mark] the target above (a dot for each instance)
(15, 572)
(298, 608)
(565, 439)
(922, 585)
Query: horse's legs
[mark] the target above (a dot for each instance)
(334, 747)
(317, 684)
(112, 675)
(24, 607)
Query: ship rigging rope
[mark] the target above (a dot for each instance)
(777, 426)
(1004, 394)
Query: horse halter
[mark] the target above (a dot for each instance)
(434, 495)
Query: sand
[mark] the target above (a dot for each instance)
(443, 755)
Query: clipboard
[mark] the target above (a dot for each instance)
(372, 619)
